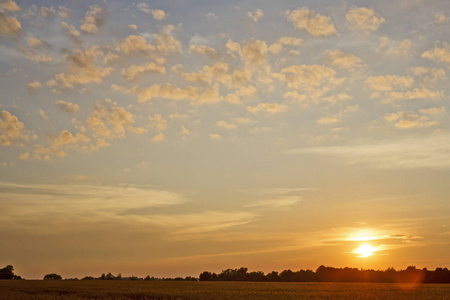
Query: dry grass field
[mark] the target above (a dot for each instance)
(118, 290)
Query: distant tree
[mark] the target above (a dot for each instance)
(52, 276)
(147, 278)
(7, 272)
(205, 276)
(110, 276)
(103, 277)
(88, 278)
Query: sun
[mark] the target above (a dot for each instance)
(365, 250)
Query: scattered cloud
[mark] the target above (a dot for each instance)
(438, 54)
(12, 131)
(34, 87)
(83, 69)
(68, 107)
(157, 14)
(255, 15)
(271, 108)
(364, 19)
(9, 26)
(133, 72)
(95, 18)
(315, 24)
(347, 61)
(9, 5)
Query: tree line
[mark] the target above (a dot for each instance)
(322, 274)
(331, 274)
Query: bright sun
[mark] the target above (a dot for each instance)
(365, 250)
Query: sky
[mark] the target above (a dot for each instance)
(172, 137)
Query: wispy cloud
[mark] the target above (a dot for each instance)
(409, 153)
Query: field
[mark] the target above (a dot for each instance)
(118, 290)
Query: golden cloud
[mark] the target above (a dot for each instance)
(11, 129)
(364, 19)
(94, 18)
(314, 24)
(9, 25)
(67, 106)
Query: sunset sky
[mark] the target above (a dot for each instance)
(173, 137)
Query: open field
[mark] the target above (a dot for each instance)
(118, 290)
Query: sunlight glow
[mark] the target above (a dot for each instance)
(365, 250)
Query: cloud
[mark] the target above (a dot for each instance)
(364, 19)
(271, 108)
(429, 152)
(132, 26)
(34, 87)
(158, 122)
(157, 14)
(48, 12)
(158, 138)
(11, 129)
(410, 119)
(395, 48)
(215, 136)
(85, 203)
(93, 20)
(438, 54)
(167, 44)
(64, 12)
(134, 44)
(204, 50)
(314, 24)
(315, 81)
(83, 69)
(9, 5)
(255, 15)
(133, 72)
(109, 120)
(253, 51)
(389, 82)
(70, 31)
(392, 87)
(278, 46)
(9, 26)
(67, 139)
(217, 72)
(171, 92)
(280, 202)
(34, 42)
(203, 222)
(67, 106)
(226, 125)
(347, 61)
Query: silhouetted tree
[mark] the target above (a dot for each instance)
(52, 276)
(7, 272)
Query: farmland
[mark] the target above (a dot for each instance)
(118, 290)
